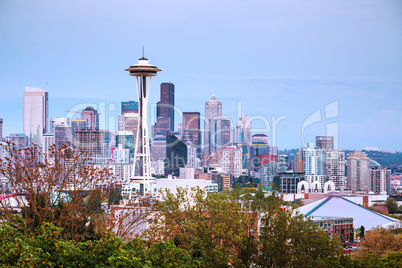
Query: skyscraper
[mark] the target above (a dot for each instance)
(358, 171)
(191, 129)
(36, 114)
(313, 160)
(92, 117)
(225, 127)
(162, 125)
(230, 160)
(314, 167)
(380, 180)
(212, 126)
(260, 139)
(335, 168)
(91, 141)
(258, 149)
(47, 142)
(242, 132)
(128, 122)
(165, 108)
(176, 155)
(64, 135)
(158, 146)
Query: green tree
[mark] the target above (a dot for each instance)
(392, 259)
(361, 231)
(392, 206)
(44, 247)
(114, 196)
(212, 226)
(293, 241)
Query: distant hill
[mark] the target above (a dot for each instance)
(385, 159)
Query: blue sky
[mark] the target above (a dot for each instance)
(276, 58)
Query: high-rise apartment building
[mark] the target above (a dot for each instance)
(324, 142)
(258, 148)
(47, 142)
(314, 167)
(269, 168)
(165, 107)
(36, 114)
(230, 160)
(358, 171)
(335, 168)
(313, 160)
(380, 180)
(283, 163)
(298, 162)
(191, 130)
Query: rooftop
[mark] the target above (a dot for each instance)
(338, 206)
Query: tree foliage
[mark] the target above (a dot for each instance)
(240, 229)
(392, 206)
(361, 231)
(211, 226)
(380, 241)
(20, 247)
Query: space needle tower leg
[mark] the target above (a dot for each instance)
(143, 72)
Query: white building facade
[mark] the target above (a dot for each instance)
(36, 114)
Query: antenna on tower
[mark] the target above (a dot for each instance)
(143, 51)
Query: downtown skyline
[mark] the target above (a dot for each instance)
(345, 52)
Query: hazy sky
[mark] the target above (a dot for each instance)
(271, 58)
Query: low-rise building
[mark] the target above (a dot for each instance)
(287, 182)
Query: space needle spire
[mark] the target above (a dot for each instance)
(143, 72)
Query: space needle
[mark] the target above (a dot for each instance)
(143, 72)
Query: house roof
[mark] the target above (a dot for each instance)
(337, 206)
